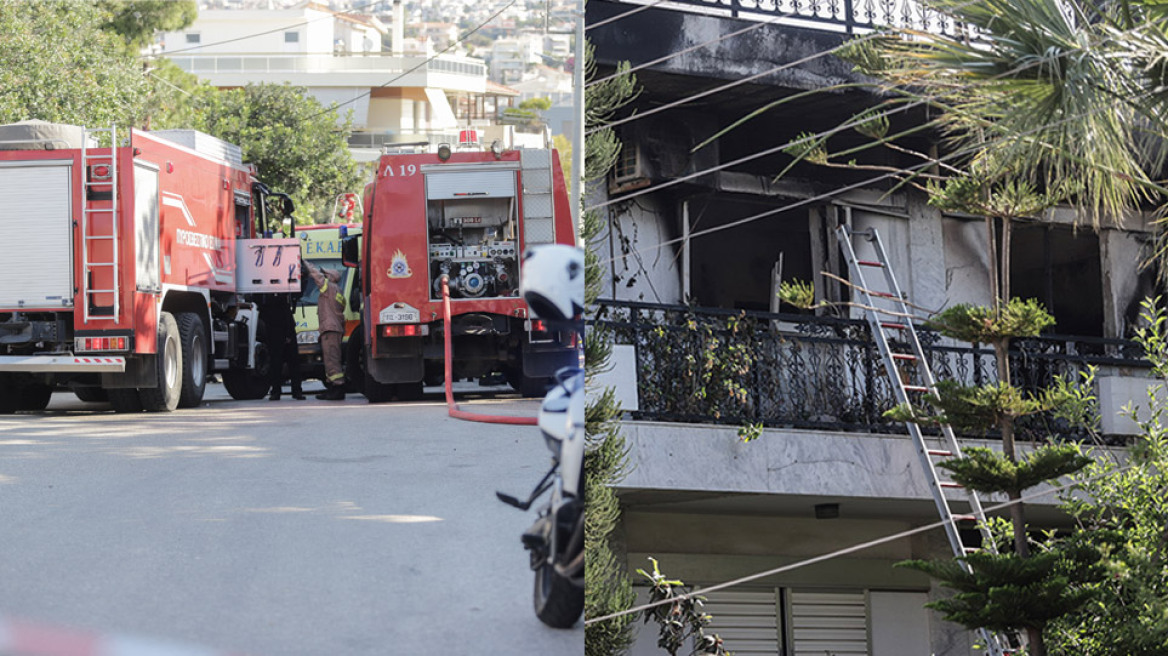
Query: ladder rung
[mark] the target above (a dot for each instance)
(941, 453)
(951, 484)
(965, 518)
(101, 291)
(970, 550)
(869, 263)
(904, 356)
(99, 263)
(882, 294)
(101, 236)
(896, 326)
(916, 388)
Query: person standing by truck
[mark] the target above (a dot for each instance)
(330, 315)
(281, 336)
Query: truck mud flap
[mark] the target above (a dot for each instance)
(139, 373)
(540, 361)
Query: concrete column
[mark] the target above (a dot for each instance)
(926, 254)
(398, 33)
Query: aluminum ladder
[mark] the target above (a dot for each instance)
(99, 225)
(909, 372)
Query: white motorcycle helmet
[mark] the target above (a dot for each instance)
(552, 281)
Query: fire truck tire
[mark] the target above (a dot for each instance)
(91, 394)
(527, 386)
(193, 338)
(169, 370)
(355, 363)
(251, 384)
(410, 391)
(125, 400)
(34, 396)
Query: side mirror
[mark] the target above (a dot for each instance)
(288, 207)
(350, 252)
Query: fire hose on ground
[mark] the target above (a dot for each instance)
(451, 406)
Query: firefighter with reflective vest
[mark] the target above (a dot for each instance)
(330, 316)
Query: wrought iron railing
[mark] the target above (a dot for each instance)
(848, 16)
(804, 371)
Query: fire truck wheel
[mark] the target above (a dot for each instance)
(251, 384)
(527, 386)
(193, 337)
(409, 391)
(125, 400)
(34, 396)
(169, 369)
(355, 363)
(91, 394)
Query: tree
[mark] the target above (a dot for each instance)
(58, 65)
(137, 21)
(607, 586)
(294, 142)
(1123, 512)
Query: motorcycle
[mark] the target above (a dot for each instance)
(556, 539)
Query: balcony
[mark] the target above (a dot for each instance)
(711, 366)
(847, 16)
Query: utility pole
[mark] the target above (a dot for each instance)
(578, 137)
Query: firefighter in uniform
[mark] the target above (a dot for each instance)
(330, 316)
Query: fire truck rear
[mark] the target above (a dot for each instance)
(465, 216)
(127, 267)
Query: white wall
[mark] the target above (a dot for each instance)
(657, 270)
(217, 25)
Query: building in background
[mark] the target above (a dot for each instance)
(338, 57)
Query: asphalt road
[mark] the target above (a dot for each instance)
(287, 528)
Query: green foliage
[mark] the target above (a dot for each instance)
(1003, 592)
(293, 141)
(871, 123)
(1153, 336)
(990, 472)
(750, 432)
(972, 323)
(136, 21)
(809, 147)
(601, 105)
(1074, 400)
(1123, 511)
(797, 293)
(607, 586)
(681, 620)
(536, 104)
(57, 65)
(969, 408)
(987, 194)
(710, 366)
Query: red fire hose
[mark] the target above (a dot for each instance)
(451, 406)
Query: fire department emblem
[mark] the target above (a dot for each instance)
(398, 266)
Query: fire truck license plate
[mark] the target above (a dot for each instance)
(399, 313)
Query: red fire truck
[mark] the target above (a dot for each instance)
(130, 260)
(467, 216)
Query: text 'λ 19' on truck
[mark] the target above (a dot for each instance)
(132, 267)
(465, 217)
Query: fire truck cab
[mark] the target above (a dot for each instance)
(465, 216)
(131, 268)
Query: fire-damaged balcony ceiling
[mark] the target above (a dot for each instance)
(780, 62)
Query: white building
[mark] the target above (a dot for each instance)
(393, 97)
